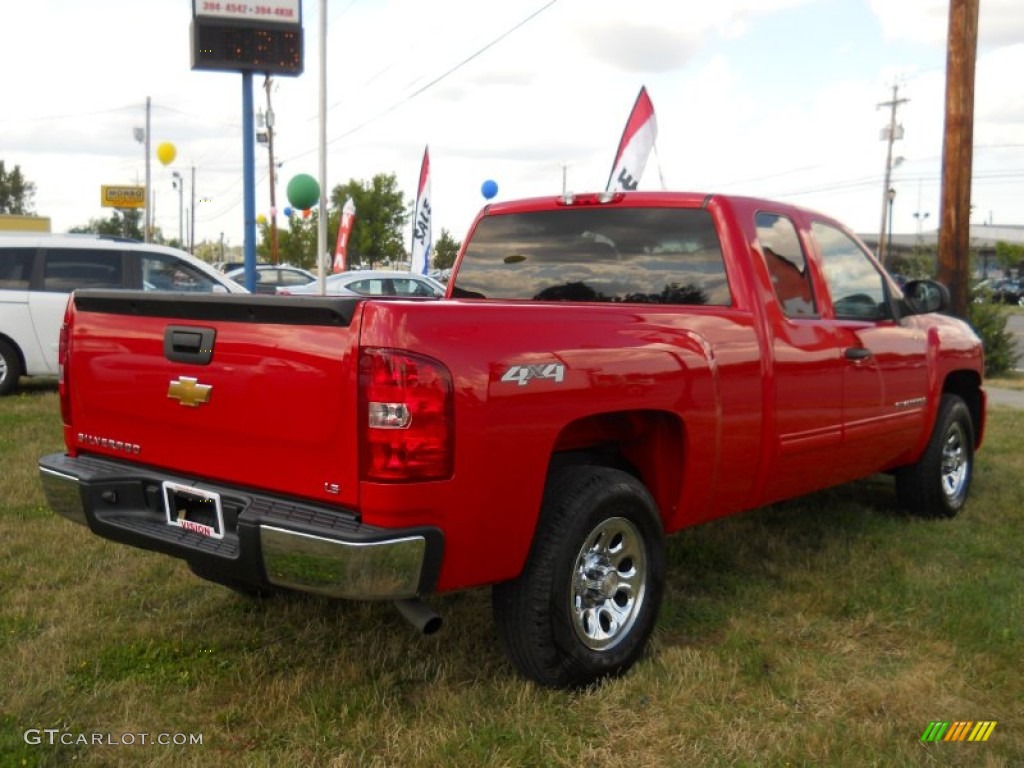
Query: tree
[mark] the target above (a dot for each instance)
(16, 192)
(1009, 256)
(296, 244)
(122, 223)
(377, 232)
(381, 215)
(445, 250)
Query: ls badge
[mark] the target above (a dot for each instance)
(189, 391)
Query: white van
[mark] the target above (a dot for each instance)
(38, 271)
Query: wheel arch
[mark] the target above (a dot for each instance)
(967, 386)
(648, 444)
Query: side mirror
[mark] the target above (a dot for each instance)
(924, 296)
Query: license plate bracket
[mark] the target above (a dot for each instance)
(194, 509)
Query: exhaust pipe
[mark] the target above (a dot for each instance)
(419, 614)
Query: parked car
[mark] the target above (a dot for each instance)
(373, 283)
(38, 271)
(270, 277)
(1008, 291)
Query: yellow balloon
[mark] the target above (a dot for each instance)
(166, 153)
(261, 219)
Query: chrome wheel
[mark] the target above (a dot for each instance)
(608, 584)
(955, 464)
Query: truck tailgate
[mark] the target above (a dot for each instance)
(234, 388)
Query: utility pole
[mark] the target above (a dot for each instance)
(179, 183)
(891, 135)
(957, 152)
(273, 197)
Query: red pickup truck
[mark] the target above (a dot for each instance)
(604, 370)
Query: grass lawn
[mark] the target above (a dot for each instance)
(828, 631)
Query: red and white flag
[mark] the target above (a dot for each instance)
(635, 147)
(348, 214)
(421, 232)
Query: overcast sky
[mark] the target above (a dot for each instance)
(774, 98)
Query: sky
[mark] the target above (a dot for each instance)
(771, 98)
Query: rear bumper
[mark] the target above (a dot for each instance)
(268, 540)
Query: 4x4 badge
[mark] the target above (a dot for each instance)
(189, 391)
(521, 374)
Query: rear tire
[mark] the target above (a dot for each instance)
(10, 368)
(588, 598)
(938, 484)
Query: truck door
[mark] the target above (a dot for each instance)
(884, 366)
(806, 366)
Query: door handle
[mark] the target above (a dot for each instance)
(857, 353)
(187, 344)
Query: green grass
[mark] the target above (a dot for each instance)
(828, 631)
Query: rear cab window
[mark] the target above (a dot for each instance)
(630, 255)
(787, 265)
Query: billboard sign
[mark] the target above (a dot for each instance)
(122, 197)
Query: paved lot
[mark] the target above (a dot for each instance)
(1010, 397)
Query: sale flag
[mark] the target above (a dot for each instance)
(635, 146)
(348, 214)
(421, 233)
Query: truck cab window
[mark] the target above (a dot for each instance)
(787, 266)
(627, 255)
(857, 288)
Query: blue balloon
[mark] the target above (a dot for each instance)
(288, 211)
(489, 189)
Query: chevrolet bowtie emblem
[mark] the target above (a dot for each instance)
(189, 391)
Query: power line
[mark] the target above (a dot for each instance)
(433, 82)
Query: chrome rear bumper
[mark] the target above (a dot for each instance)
(269, 541)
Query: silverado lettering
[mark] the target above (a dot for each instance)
(604, 370)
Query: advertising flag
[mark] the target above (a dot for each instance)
(635, 147)
(348, 214)
(421, 235)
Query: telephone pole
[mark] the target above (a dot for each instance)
(889, 133)
(957, 152)
(273, 198)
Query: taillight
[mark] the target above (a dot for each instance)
(407, 416)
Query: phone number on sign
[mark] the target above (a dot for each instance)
(247, 10)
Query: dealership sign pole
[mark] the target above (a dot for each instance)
(243, 37)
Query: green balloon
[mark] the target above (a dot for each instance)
(303, 191)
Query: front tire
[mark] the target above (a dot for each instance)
(587, 600)
(937, 485)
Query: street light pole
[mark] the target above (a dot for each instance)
(149, 207)
(192, 223)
